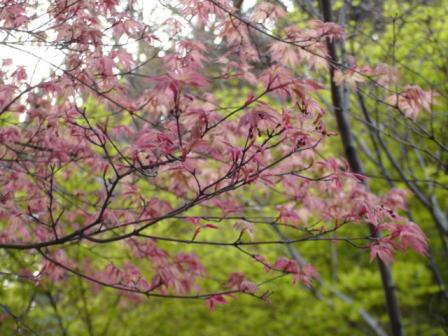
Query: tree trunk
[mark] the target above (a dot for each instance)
(356, 167)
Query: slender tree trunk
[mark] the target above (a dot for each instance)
(356, 167)
(375, 139)
(371, 321)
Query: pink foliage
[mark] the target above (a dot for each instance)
(133, 151)
(215, 300)
(412, 101)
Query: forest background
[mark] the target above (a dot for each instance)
(396, 151)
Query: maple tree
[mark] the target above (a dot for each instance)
(87, 161)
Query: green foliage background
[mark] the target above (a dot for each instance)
(420, 37)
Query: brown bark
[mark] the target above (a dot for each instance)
(354, 161)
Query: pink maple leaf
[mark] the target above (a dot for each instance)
(412, 101)
(383, 248)
(215, 300)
